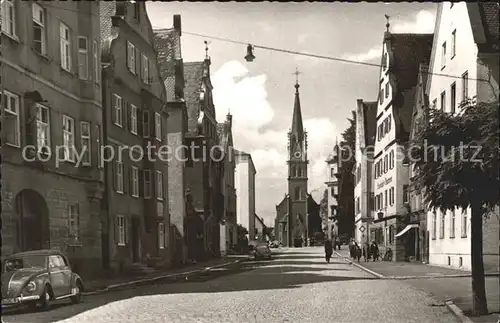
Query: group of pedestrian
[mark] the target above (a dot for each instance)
(367, 252)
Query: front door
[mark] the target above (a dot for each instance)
(135, 240)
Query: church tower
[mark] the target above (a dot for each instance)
(297, 176)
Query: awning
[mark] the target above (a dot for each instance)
(408, 227)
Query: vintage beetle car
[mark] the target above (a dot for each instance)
(38, 277)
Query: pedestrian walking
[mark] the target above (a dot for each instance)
(357, 252)
(328, 250)
(374, 251)
(366, 251)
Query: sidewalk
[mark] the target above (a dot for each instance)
(98, 286)
(445, 284)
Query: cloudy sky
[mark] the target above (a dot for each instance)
(260, 94)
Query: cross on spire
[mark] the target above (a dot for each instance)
(206, 49)
(296, 73)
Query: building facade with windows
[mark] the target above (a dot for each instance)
(51, 128)
(333, 180)
(134, 129)
(168, 45)
(245, 192)
(204, 199)
(465, 46)
(401, 57)
(363, 190)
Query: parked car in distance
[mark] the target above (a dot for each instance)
(259, 250)
(35, 278)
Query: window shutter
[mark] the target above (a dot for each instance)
(115, 226)
(129, 116)
(141, 182)
(139, 121)
(137, 61)
(113, 167)
(113, 104)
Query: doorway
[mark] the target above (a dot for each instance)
(135, 240)
(33, 231)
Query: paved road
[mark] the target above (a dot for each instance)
(298, 286)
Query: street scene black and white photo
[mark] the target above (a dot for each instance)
(227, 162)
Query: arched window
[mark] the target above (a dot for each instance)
(297, 193)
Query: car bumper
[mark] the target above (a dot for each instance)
(6, 302)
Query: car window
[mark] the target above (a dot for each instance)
(54, 262)
(31, 261)
(62, 261)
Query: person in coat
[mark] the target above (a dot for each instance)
(374, 251)
(366, 251)
(357, 252)
(328, 250)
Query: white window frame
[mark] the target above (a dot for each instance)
(69, 138)
(434, 225)
(85, 138)
(37, 12)
(133, 119)
(147, 183)
(12, 112)
(452, 223)
(135, 181)
(442, 221)
(443, 55)
(119, 176)
(74, 221)
(464, 224)
(65, 44)
(83, 59)
(145, 68)
(9, 18)
(120, 226)
(97, 66)
(159, 185)
(146, 124)
(465, 85)
(118, 110)
(131, 65)
(161, 235)
(42, 127)
(158, 126)
(453, 43)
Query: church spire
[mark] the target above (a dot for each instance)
(297, 126)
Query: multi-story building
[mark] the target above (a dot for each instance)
(419, 248)
(168, 45)
(366, 124)
(230, 230)
(333, 179)
(204, 205)
(466, 46)
(245, 192)
(401, 58)
(134, 124)
(51, 128)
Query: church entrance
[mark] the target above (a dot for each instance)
(33, 221)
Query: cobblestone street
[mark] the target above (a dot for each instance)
(297, 286)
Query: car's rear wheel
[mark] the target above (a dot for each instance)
(45, 298)
(78, 296)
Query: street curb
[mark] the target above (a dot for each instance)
(458, 312)
(410, 277)
(361, 267)
(153, 279)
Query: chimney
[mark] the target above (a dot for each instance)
(177, 24)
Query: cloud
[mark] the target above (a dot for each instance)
(422, 23)
(371, 54)
(246, 97)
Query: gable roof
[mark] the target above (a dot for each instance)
(409, 51)
(484, 22)
(168, 46)
(193, 76)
